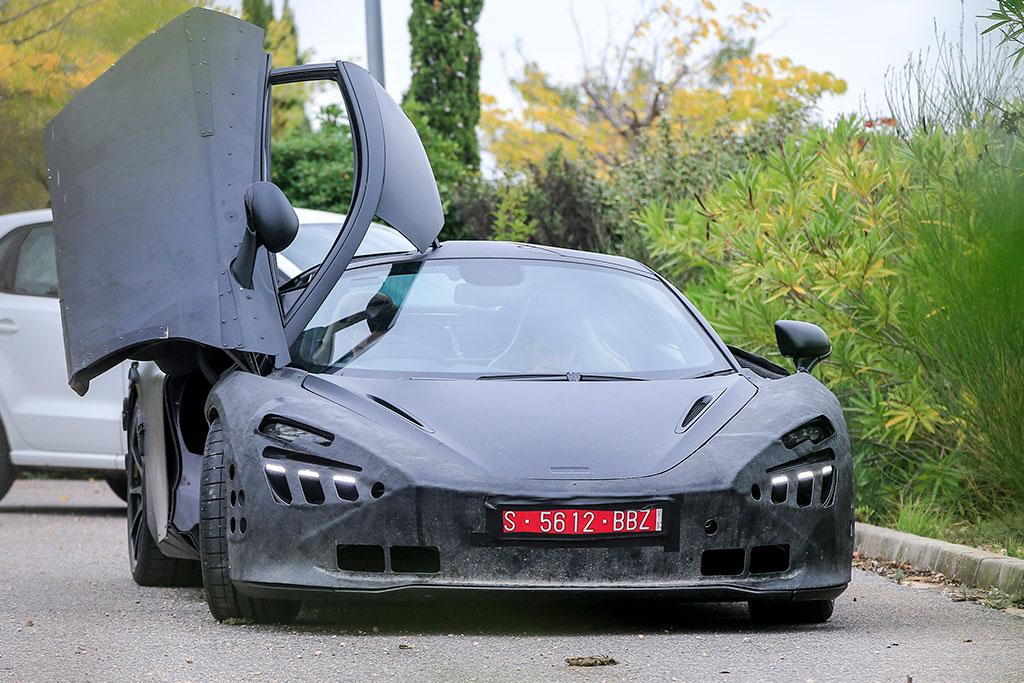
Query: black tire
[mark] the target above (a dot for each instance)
(118, 483)
(793, 612)
(7, 472)
(222, 598)
(148, 565)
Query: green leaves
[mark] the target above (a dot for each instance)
(446, 70)
(888, 244)
(1008, 18)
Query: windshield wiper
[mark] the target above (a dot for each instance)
(713, 373)
(563, 377)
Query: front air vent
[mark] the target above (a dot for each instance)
(828, 486)
(398, 411)
(412, 559)
(361, 558)
(804, 488)
(780, 489)
(824, 455)
(698, 407)
(769, 559)
(722, 562)
(277, 477)
(312, 489)
(274, 453)
(346, 487)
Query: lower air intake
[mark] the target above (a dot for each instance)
(411, 559)
(722, 562)
(767, 559)
(361, 558)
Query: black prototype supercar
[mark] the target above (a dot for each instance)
(464, 415)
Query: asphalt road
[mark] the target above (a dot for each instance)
(70, 611)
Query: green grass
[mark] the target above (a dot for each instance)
(996, 532)
(922, 519)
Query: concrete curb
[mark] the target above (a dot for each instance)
(970, 566)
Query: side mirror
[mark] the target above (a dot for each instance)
(806, 343)
(271, 223)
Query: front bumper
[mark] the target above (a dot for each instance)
(759, 548)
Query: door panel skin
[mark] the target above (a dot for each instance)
(148, 168)
(148, 171)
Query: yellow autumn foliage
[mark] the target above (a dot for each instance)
(689, 71)
(50, 49)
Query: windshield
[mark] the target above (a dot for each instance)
(478, 317)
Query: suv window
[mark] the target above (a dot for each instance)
(36, 272)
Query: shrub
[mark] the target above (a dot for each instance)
(878, 240)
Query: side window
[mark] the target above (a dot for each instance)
(36, 271)
(7, 259)
(311, 160)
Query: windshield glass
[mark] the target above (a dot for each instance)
(476, 317)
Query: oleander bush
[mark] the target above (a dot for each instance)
(909, 251)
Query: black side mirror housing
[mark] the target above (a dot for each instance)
(806, 343)
(271, 223)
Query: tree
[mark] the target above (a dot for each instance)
(49, 49)
(281, 40)
(258, 12)
(288, 102)
(1008, 19)
(446, 71)
(692, 73)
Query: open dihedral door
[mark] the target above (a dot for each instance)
(148, 168)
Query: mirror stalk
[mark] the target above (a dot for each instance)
(270, 222)
(243, 265)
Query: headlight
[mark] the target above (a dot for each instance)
(815, 431)
(288, 431)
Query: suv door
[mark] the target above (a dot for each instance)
(45, 412)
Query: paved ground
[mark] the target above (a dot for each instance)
(69, 611)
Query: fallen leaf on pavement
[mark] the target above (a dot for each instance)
(599, 660)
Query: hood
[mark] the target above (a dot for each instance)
(554, 429)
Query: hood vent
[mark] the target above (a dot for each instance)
(398, 411)
(698, 408)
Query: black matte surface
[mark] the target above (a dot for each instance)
(148, 169)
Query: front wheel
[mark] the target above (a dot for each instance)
(214, 520)
(149, 566)
(793, 612)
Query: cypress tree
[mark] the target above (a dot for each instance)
(259, 12)
(446, 71)
(288, 102)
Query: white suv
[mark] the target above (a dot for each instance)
(43, 423)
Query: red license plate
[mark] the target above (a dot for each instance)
(581, 522)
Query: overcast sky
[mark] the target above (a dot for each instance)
(856, 40)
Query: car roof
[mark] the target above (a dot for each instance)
(10, 221)
(449, 249)
(513, 250)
